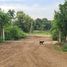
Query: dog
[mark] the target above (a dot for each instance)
(41, 42)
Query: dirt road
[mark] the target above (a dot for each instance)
(28, 53)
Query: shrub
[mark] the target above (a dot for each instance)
(14, 33)
(54, 34)
(1, 40)
(64, 48)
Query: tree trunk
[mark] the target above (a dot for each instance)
(65, 38)
(60, 37)
(3, 34)
(31, 28)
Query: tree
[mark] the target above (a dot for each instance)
(63, 11)
(4, 19)
(46, 24)
(24, 21)
(42, 24)
(37, 24)
(60, 22)
(11, 13)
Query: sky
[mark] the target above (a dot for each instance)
(34, 8)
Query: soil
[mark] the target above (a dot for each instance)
(29, 53)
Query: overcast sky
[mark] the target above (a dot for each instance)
(34, 8)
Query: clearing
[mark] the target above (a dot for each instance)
(28, 53)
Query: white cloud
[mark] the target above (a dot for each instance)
(34, 10)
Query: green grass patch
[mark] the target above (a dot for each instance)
(36, 32)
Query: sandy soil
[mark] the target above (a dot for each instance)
(29, 53)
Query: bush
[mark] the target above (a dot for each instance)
(64, 48)
(54, 34)
(14, 33)
(1, 40)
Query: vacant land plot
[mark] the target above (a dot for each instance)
(28, 53)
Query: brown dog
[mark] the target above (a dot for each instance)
(41, 42)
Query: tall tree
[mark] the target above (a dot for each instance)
(24, 21)
(60, 19)
(37, 24)
(46, 24)
(4, 19)
(42, 24)
(11, 13)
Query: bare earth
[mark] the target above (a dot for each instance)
(28, 53)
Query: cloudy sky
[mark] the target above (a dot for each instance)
(35, 8)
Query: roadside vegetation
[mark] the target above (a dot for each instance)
(15, 25)
(60, 47)
(37, 32)
(59, 26)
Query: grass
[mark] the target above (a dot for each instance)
(57, 48)
(62, 48)
(36, 32)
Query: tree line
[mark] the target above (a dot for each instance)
(14, 25)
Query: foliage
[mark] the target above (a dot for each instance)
(14, 24)
(54, 34)
(37, 32)
(42, 24)
(60, 22)
(14, 33)
(4, 19)
(1, 39)
(37, 24)
(46, 24)
(11, 13)
(64, 48)
(24, 21)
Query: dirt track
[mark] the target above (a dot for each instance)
(28, 53)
